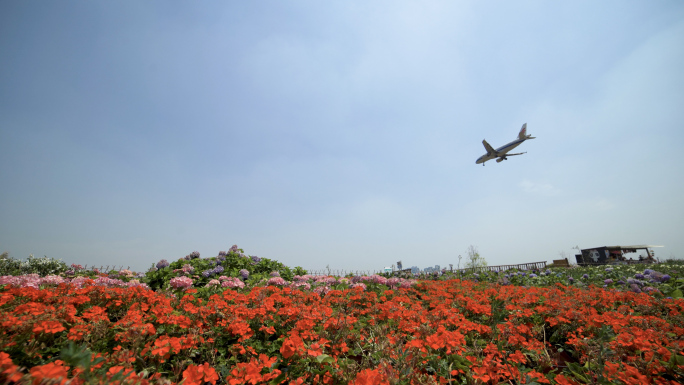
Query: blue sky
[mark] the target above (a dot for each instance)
(339, 134)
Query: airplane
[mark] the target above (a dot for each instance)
(502, 152)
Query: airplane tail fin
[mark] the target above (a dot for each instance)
(523, 132)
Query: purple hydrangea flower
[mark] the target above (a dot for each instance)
(207, 273)
(608, 281)
(638, 276)
(222, 254)
(256, 259)
(275, 274)
(532, 275)
(244, 273)
(218, 269)
(665, 278)
(233, 249)
(635, 288)
(162, 264)
(585, 276)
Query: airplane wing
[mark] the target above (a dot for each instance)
(487, 147)
(520, 153)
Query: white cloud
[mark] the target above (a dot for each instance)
(538, 188)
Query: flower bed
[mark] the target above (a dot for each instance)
(666, 279)
(370, 330)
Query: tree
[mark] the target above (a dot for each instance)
(473, 258)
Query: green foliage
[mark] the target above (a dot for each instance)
(203, 270)
(41, 266)
(474, 259)
(158, 278)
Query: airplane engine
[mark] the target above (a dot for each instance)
(500, 159)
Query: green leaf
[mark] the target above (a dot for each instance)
(676, 294)
(279, 379)
(675, 360)
(324, 358)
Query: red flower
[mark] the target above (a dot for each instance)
(48, 327)
(51, 372)
(8, 369)
(291, 345)
(197, 375)
(370, 377)
(481, 374)
(518, 357)
(562, 380)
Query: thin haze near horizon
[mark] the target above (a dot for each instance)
(340, 134)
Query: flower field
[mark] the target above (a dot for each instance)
(191, 322)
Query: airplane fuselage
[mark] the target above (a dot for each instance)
(501, 151)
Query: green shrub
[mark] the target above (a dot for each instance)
(41, 266)
(227, 264)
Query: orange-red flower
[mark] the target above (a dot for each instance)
(48, 327)
(199, 374)
(7, 368)
(54, 372)
(370, 377)
(291, 345)
(517, 357)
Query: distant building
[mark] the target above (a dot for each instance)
(415, 270)
(388, 269)
(437, 268)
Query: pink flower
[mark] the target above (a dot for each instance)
(233, 283)
(302, 285)
(277, 281)
(322, 290)
(361, 285)
(180, 282)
